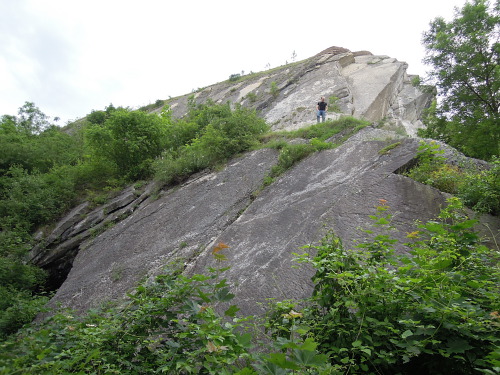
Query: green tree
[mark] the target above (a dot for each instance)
(129, 139)
(32, 119)
(210, 134)
(36, 186)
(465, 56)
(31, 142)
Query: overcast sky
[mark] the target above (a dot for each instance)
(70, 57)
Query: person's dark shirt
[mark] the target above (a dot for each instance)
(322, 106)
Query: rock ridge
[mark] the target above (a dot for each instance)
(372, 87)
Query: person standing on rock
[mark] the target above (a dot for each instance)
(321, 107)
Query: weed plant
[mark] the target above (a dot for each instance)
(373, 311)
(317, 135)
(479, 189)
(433, 310)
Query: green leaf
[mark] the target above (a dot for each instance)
(308, 357)
(244, 340)
(203, 296)
(457, 345)
(223, 295)
(467, 224)
(245, 371)
(192, 305)
(233, 309)
(309, 344)
(367, 351)
(270, 369)
(279, 359)
(407, 333)
(356, 344)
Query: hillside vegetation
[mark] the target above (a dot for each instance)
(433, 310)
(35, 195)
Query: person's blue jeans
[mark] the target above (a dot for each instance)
(321, 114)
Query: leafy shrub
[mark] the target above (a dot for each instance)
(317, 134)
(373, 311)
(169, 326)
(328, 129)
(34, 199)
(210, 135)
(434, 310)
(19, 307)
(333, 104)
(129, 139)
(97, 117)
(41, 152)
(480, 190)
(252, 97)
(387, 149)
(289, 155)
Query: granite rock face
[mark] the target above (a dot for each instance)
(334, 190)
(359, 84)
(98, 254)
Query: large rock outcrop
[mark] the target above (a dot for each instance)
(108, 250)
(359, 84)
(331, 190)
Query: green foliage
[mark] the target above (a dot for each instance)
(37, 184)
(388, 148)
(479, 189)
(430, 159)
(17, 278)
(31, 120)
(33, 199)
(41, 151)
(333, 104)
(252, 97)
(322, 131)
(274, 90)
(465, 54)
(97, 117)
(416, 81)
(210, 135)
(26, 201)
(234, 77)
(289, 155)
(317, 134)
(19, 307)
(157, 104)
(168, 326)
(434, 310)
(129, 139)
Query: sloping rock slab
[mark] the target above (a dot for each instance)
(177, 226)
(332, 190)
